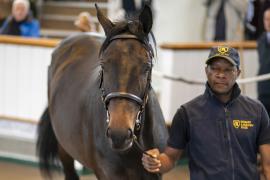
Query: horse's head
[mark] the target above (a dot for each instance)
(126, 63)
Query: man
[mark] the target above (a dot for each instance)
(224, 20)
(221, 129)
(20, 23)
(264, 62)
(254, 18)
(263, 6)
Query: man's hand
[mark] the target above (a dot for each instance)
(151, 161)
(156, 162)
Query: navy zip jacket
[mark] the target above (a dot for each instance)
(222, 140)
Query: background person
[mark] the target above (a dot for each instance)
(132, 7)
(124, 9)
(224, 20)
(221, 129)
(85, 22)
(264, 62)
(263, 5)
(254, 20)
(21, 22)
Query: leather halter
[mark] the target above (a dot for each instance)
(126, 95)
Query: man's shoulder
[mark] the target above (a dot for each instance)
(250, 101)
(32, 22)
(35, 22)
(195, 101)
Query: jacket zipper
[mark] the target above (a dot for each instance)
(229, 140)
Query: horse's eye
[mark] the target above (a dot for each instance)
(146, 69)
(101, 64)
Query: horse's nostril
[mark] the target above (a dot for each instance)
(130, 134)
(108, 132)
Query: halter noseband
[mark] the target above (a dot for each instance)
(129, 96)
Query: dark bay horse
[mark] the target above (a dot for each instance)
(101, 106)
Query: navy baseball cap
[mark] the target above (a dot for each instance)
(226, 52)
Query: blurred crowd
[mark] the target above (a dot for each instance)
(21, 19)
(234, 20)
(225, 20)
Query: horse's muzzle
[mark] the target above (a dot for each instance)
(120, 140)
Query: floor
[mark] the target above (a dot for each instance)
(12, 171)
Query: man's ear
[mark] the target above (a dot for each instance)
(206, 69)
(238, 72)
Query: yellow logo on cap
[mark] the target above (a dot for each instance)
(223, 51)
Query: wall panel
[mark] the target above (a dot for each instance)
(23, 80)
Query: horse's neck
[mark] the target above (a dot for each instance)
(154, 132)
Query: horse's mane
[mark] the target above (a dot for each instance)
(134, 27)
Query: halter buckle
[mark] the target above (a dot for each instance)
(138, 121)
(108, 117)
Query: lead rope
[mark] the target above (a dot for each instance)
(139, 148)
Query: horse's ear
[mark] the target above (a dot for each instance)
(146, 19)
(104, 21)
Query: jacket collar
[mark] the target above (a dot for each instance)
(236, 91)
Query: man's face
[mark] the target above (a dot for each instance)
(19, 11)
(266, 20)
(221, 76)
